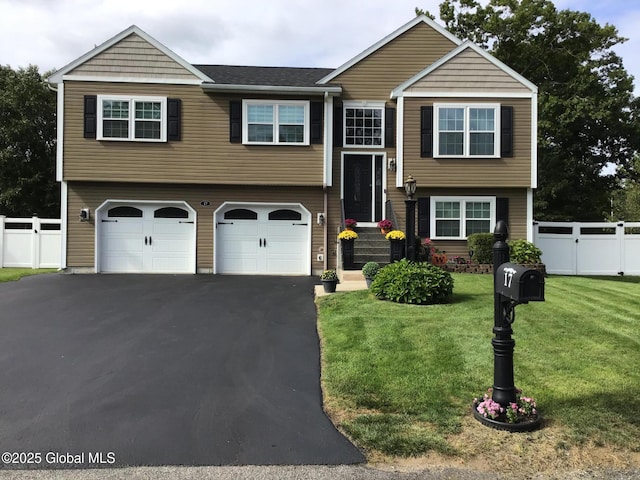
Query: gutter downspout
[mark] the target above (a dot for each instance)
(326, 229)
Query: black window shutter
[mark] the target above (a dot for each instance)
(506, 131)
(235, 121)
(424, 217)
(426, 132)
(316, 122)
(502, 210)
(337, 126)
(90, 116)
(390, 127)
(174, 115)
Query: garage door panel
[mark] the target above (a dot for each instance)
(170, 264)
(283, 265)
(147, 239)
(273, 242)
(123, 263)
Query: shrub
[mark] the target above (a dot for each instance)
(411, 282)
(522, 251)
(370, 269)
(482, 246)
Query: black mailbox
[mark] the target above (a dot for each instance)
(519, 283)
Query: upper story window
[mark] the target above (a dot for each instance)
(140, 119)
(456, 218)
(467, 130)
(363, 125)
(280, 123)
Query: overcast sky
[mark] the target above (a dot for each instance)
(303, 33)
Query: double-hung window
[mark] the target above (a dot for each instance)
(456, 218)
(282, 122)
(363, 124)
(140, 119)
(467, 130)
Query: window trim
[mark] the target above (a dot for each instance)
(370, 105)
(276, 137)
(132, 99)
(463, 211)
(466, 132)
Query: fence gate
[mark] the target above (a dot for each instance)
(573, 248)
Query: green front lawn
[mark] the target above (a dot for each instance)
(8, 274)
(400, 379)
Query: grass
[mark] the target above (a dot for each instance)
(400, 379)
(9, 274)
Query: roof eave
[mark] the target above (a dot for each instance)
(274, 89)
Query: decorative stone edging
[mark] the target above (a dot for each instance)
(486, 268)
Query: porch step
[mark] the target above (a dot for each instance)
(351, 275)
(371, 246)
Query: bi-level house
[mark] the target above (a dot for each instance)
(171, 167)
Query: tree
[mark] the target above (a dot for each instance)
(625, 203)
(27, 145)
(587, 116)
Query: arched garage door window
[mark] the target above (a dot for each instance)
(285, 215)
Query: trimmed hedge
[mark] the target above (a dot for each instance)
(482, 246)
(413, 282)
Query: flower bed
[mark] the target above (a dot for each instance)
(486, 267)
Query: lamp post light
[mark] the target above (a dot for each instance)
(410, 189)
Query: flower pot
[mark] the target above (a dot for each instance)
(384, 231)
(329, 285)
(529, 424)
(347, 254)
(396, 252)
(368, 280)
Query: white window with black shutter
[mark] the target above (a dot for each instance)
(455, 218)
(455, 130)
(132, 118)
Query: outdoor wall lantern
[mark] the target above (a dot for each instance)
(410, 187)
(410, 246)
(85, 215)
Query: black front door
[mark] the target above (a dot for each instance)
(357, 187)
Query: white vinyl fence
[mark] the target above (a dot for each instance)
(573, 248)
(30, 242)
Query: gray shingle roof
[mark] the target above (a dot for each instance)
(271, 76)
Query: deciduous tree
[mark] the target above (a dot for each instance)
(27, 144)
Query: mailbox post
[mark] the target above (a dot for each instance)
(513, 285)
(504, 390)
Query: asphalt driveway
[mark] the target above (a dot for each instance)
(120, 370)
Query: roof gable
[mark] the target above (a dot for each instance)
(392, 36)
(476, 52)
(173, 62)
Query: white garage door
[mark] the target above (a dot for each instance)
(143, 238)
(267, 240)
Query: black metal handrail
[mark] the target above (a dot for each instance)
(390, 213)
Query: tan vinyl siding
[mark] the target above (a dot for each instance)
(469, 172)
(468, 72)
(204, 155)
(133, 57)
(375, 76)
(81, 235)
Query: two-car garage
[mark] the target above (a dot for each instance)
(161, 237)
